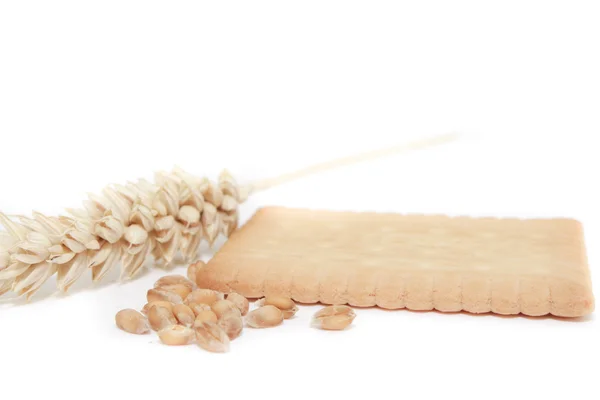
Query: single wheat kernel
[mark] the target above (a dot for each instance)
(240, 302)
(264, 317)
(184, 314)
(285, 304)
(176, 335)
(197, 308)
(132, 321)
(147, 306)
(205, 316)
(333, 318)
(222, 307)
(203, 296)
(232, 324)
(160, 317)
(193, 269)
(168, 280)
(211, 337)
(159, 294)
(181, 290)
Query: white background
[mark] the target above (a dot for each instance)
(100, 92)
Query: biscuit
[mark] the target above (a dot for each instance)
(419, 262)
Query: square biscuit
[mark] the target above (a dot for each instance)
(419, 262)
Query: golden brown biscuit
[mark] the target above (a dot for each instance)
(419, 262)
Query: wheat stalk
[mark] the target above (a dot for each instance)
(126, 223)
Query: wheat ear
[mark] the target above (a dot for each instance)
(129, 222)
(125, 224)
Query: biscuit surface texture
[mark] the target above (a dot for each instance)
(419, 262)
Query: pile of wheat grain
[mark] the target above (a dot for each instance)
(182, 313)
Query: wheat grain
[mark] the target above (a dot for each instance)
(132, 321)
(333, 318)
(176, 335)
(184, 314)
(199, 307)
(160, 294)
(232, 324)
(168, 280)
(264, 317)
(163, 303)
(205, 316)
(211, 337)
(203, 296)
(181, 290)
(240, 302)
(161, 317)
(222, 307)
(285, 304)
